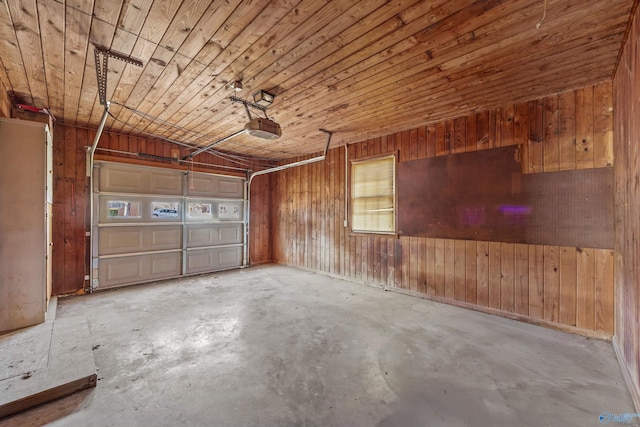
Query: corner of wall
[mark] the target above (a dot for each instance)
(626, 90)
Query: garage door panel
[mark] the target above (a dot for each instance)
(213, 234)
(127, 239)
(121, 270)
(202, 260)
(228, 234)
(153, 223)
(139, 180)
(138, 268)
(169, 237)
(199, 235)
(228, 257)
(165, 183)
(231, 188)
(202, 185)
(120, 239)
(165, 265)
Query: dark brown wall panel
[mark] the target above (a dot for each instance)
(626, 90)
(484, 196)
(546, 282)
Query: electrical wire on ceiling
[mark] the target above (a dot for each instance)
(544, 15)
(239, 160)
(184, 137)
(194, 140)
(197, 139)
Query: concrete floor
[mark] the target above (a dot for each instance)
(276, 346)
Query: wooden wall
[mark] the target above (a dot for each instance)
(70, 208)
(626, 89)
(551, 284)
(71, 203)
(5, 101)
(260, 221)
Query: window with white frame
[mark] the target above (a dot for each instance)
(373, 199)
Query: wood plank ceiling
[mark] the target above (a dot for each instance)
(359, 68)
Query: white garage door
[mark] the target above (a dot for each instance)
(153, 223)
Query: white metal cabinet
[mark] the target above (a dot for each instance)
(26, 195)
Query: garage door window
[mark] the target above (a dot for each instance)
(122, 209)
(165, 210)
(373, 195)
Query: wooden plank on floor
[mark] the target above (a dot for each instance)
(70, 368)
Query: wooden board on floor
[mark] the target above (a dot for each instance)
(70, 368)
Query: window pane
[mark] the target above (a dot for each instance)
(373, 195)
(121, 209)
(200, 210)
(165, 210)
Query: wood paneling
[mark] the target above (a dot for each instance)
(626, 92)
(551, 283)
(365, 69)
(5, 101)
